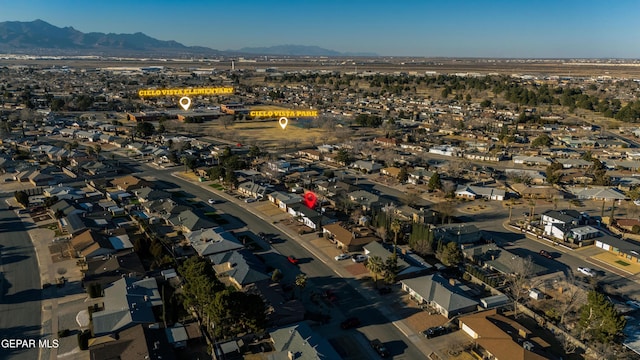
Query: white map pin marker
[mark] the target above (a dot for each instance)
(283, 122)
(185, 102)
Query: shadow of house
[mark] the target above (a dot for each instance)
(127, 302)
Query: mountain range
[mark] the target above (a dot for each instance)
(41, 38)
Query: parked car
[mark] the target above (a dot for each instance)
(330, 295)
(212, 201)
(435, 331)
(342, 257)
(379, 347)
(359, 258)
(350, 323)
(293, 260)
(546, 254)
(249, 200)
(586, 271)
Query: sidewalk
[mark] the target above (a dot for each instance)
(52, 296)
(325, 254)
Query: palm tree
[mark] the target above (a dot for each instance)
(395, 227)
(301, 282)
(375, 265)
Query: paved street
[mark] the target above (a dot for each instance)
(20, 291)
(320, 275)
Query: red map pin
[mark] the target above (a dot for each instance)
(310, 199)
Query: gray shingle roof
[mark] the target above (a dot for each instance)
(245, 267)
(435, 288)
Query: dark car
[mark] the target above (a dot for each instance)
(350, 323)
(546, 254)
(435, 331)
(384, 290)
(330, 295)
(293, 260)
(379, 347)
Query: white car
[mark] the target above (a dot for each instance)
(211, 201)
(359, 258)
(587, 271)
(342, 257)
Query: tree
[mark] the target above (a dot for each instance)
(403, 175)
(554, 173)
(599, 319)
(226, 120)
(450, 254)
(396, 226)
(521, 269)
(145, 128)
(421, 239)
(391, 269)
(22, 198)
(343, 156)
(541, 141)
(375, 265)
(301, 282)
(434, 182)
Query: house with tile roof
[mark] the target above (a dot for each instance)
(502, 338)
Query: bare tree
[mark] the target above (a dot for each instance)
(382, 233)
(446, 209)
(571, 298)
(519, 279)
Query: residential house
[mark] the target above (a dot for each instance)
(104, 271)
(365, 199)
(90, 244)
(212, 241)
(386, 142)
(502, 338)
(419, 175)
(531, 160)
(127, 302)
(284, 199)
(240, 267)
(64, 192)
(368, 166)
(471, 192)
(529, 176)
(73, 224)
(300, 342)
(188, 221)
(445, 150)
(252, 189)
(64, 208)
(345, 239)
(537, 192)
(598, 193)
(627, 250)
(461, 234)
(446, 296)
(557, 223)
(129, 183)
(133, 343)
(406, 268)
(146, 194)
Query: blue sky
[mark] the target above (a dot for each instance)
(456, 28)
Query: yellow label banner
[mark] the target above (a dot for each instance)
(185, 91)
(284, 113)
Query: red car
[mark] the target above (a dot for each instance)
(546, 254)
(350, 323)
(293, 260)
(330, 295)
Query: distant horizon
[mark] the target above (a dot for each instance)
(499, 29)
